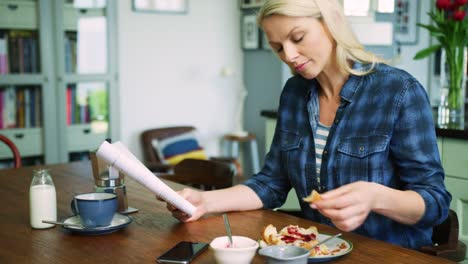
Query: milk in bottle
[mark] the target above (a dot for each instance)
(42, 200)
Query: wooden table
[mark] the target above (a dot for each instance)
(152, 232)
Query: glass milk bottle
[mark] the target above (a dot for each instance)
(42, 199)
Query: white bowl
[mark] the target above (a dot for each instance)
(243, 251)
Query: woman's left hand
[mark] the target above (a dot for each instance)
(348, 206)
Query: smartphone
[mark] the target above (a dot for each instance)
(183, 252)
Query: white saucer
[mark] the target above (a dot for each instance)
(118, 222)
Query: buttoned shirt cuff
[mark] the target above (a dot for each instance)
(269, 201)
(434, 214)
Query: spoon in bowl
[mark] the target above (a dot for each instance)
(228, 229)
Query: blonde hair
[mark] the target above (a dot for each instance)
(348, 47)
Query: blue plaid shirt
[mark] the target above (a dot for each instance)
(383, 132)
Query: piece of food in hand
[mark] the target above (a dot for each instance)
(294, 235)
(313, 197)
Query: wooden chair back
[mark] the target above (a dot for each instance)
(203, 174)
(445, 240)
(16, 154)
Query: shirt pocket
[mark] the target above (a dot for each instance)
(290, 146)
(361, 159)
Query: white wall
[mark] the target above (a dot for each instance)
(170, 70)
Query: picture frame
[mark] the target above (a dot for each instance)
(245, 4)
(407, 16)
(250, 32)
(161, 6)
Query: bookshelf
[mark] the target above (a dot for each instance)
(58, 77)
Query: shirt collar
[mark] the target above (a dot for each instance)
(353, 83)
(349, 88)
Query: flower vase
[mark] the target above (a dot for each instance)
(451, 112)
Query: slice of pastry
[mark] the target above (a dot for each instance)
(298, 236)
(270, 235)
(294, 235)
(313, 197)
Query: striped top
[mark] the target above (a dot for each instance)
(320, 141)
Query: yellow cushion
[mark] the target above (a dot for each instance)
(196, 154)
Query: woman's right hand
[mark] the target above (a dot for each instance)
(195, 198)
(236, 198)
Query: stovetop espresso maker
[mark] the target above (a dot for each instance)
(110, 180)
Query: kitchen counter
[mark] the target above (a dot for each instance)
(440, 131)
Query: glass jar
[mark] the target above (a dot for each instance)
(453, 70)
(42, 199)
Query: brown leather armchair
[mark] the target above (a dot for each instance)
(155, 163)
(445, 238)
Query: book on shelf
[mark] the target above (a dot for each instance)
(9, 107)
(31, 105)
(4, 67)
(21, 55)
(13, 54)
(68, 66)
(20, 107)
(68, 105)
(27, 53)
(22, 51)
(34, 55)
(73, 104)
(1, 108)
(76, 105)
(70, 52)
(37, 107)
(82, 104)
(27, 108)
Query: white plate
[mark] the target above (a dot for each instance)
(118, 222)
(338, 248)
(334, 246)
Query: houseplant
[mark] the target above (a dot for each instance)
(450, 28)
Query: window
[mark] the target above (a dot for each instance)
(356, 7)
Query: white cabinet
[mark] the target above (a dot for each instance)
(18, 14)
(454, 160)
(29, 142)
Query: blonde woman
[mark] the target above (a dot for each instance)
(355, 129)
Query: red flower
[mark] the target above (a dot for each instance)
(443, 4)
(459, 15)
(461, 2)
